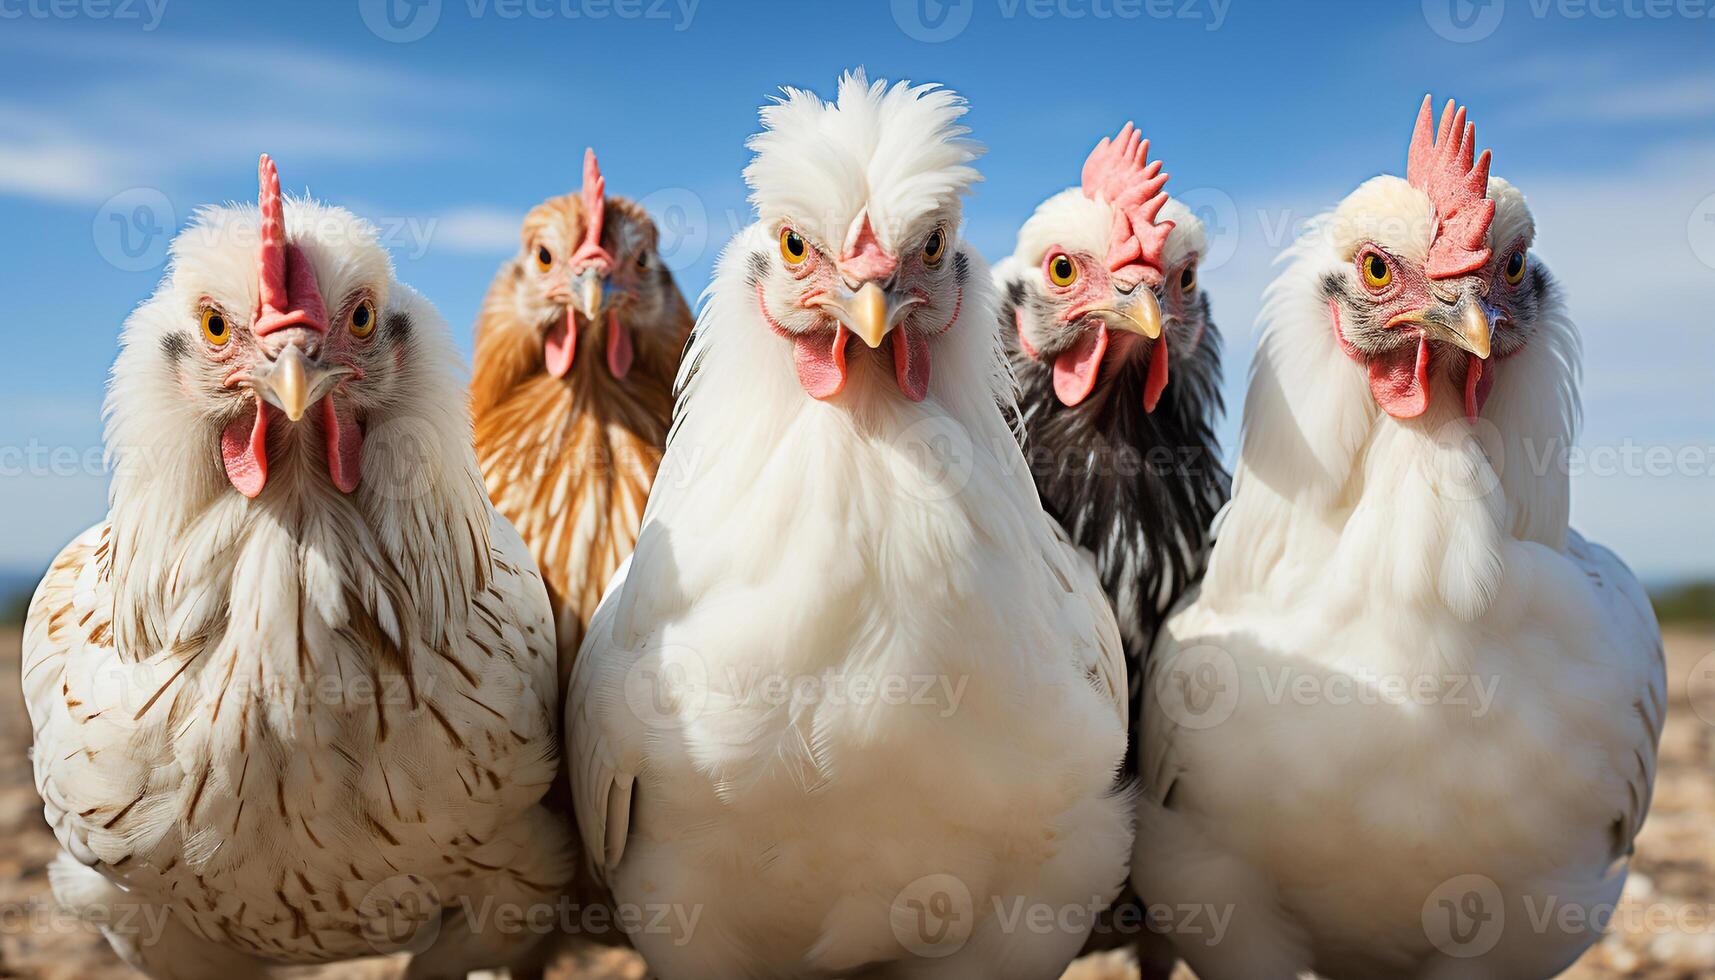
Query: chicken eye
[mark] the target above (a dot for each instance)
(934, 248)
(544, 258)
(1377, 273)
(793, 248)
(215, 328)
(1188, 280)
(643, 259)
(1062, 271)
(363, 319)
(1515, 267)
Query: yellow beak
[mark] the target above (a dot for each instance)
(1142, 317)
(869, 312)
(590, 290)
(295, 382)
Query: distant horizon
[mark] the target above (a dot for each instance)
(445, 121)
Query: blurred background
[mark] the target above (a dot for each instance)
(443, 121)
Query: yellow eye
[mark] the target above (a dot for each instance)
(544, 258)
(1377, 273)
(934, 247)
(1515, 267)
(793, 248)
(363, 318)
(1062, 271)
(215, 328)
(1188, 280)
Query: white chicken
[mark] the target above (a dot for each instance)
(297, 695)
(1408, 725)
(852, 708)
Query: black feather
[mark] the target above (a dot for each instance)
(1138, 489)
(175, 347)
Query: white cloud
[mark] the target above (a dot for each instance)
(477, 229)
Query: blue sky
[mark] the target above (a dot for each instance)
(445, 120)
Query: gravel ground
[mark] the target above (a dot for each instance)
(1665, 929)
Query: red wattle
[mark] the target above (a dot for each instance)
(619, 352)
(911, 363)
(1479, 381)
(1075, 368)
(1156, 382)
(345, 447)
(1399, 380)
(561, 345)
(244, 451)
(820, 357)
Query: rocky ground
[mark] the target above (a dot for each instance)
(1665, 929)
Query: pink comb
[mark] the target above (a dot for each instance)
(287, 295)
(594, 194)
(1440, 165)
(1119, 172)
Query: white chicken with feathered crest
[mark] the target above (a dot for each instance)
(1408, 725)
(297, 694)
(852, 700)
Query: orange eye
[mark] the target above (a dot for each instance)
(215, 328)
(363, 318)
(544, 258)
(793, 248)
(1515, 267)
(1377, 273)
(1062, 271)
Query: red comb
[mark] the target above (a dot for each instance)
(286, 294)
(1440, 165)
(594, 195)
(1119, 172)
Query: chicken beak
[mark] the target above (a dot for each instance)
(1468, 326)
(869, 312)
(589, 291)
(294, 382)
(1143, 317)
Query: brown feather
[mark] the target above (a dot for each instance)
(570, 461)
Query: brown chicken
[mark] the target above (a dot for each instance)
(577, 346)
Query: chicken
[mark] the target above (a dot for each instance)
(296, 695)
(852, 700)
(1090, 308)
(569, 445)
(1100, 288)
(1407, 724)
